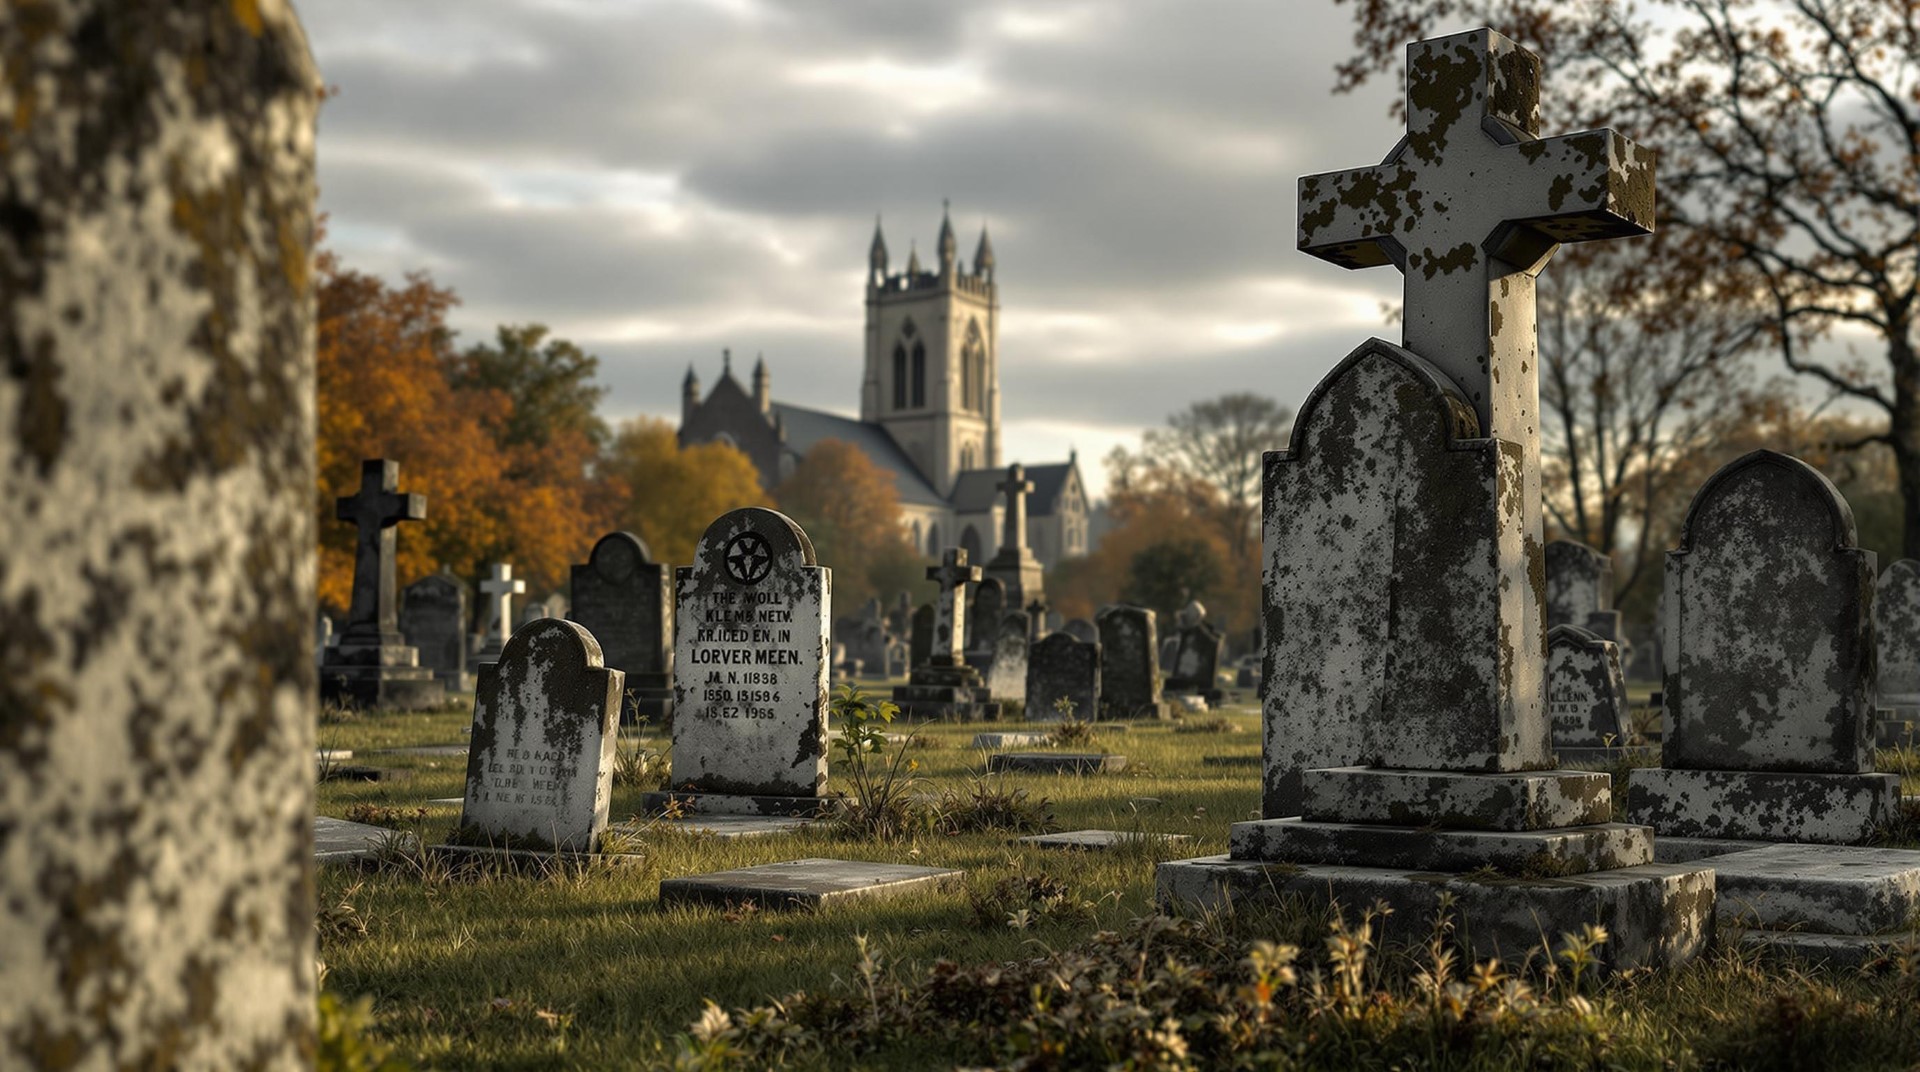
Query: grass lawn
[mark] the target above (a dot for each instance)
(568, 970)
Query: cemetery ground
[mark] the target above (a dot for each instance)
(564, 968)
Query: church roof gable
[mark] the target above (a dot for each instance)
(806, 427)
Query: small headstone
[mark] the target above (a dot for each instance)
(1896, 631)
(750, 670)
(546, 720)
(1062, 668)
(337, 841)
(322, 639)
(920, 637)
(1007, 673)
(433, 617)
(1129, 663)
(373, 665)
(1769, 686)
(1196, 661)
(809, 883)
(1586, 691)
(1580, 590)
(625, 599)
(496, 593)
(1082, 630)
(897, 665)
(533, 613)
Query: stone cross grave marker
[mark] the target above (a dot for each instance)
(1013, 564)
(372, 665)
(1580, 590)
(950, 608)
(546, 720)
(1061, 667)
(945, 687)
(498, 590)
(1769, 686)
(433, 615)
(1007, 674)
(625, 599)
(1129, 663)
(1037, 619)
(1586, 691)
(751, 652)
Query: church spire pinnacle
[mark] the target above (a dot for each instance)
(983, 255)
(877, 254)
(948, 247)
(913, 259)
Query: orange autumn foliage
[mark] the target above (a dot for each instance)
(669, 494)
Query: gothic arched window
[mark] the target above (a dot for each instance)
(970, 541)
(933, 540)
(899, 376)
(919, 374)
(973, 369)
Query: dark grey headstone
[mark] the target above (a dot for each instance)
(1060, 667)
(1129, 662)
(920, 639)
(1081, 629)
(1896, 627)
(373, 665)
(989, 604)
(625, 599)
(433, 616)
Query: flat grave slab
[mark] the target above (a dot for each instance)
(1057, 762)
(1010, 740)
(808, 883)
(453, 802)
(1823, 888)
(337, 841)
(332, 755)
(1099, 839)
(425, 750)
(720, 826)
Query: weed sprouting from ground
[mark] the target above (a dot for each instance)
(882, 802)
(988, 804)
(1071, 729)
(641, 768)
(384, 814)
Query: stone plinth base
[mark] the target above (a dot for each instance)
(1656, 915)
(396, 688)
(1526, 800)
(1833, 809)
(692, 803)
(1844, 950)
(1820, 888)
(804, 883)
(1608, 755)
(946, 694)
(1566, 850)
(1682, 850)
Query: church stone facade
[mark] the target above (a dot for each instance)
(929, 411)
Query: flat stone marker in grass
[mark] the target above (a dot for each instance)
(425, 750)
(1010, 740)
(333, 755)
(809, 883)
(1099, 839)
(337, 841)
(1056, 762)
(722, 826)
(1821, 888)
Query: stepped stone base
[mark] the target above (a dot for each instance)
(1656, 915)
(1821, 888)
(1531, 800)
(1834, 809)
(1681, 850)
(1565, 850)
(1845, 950)
(734, 804)
(946, 694)
(395, 688)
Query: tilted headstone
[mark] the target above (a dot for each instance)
(1060, 667)
(1014, 565)
(945, 687)
(1129, 663)
(750, 669)
(496, 595)
(373, 665)
(433, 617)
(920, 638)
(1082, 630)
(1198, 646)
(1007, 674)
(1580, 590)
(1769, 686)
(1586, 690)
(156, 578)
(546, 721)
(1405, 720)
(625, 599)
(1896, 631)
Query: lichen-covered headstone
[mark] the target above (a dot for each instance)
(750, 663)
(1129, 663)
(433, 618)
(1198, 645)
(983, 618)
(546, 720)
(1586, 691)
(625, 599)
(1060, 667)
(1769, 682)
(1082, 630)
(1896, 630)
(1580, 589)
(157, 681)
(1007, 674)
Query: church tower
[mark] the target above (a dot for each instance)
(932, 376)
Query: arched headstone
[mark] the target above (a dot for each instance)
(625, 599)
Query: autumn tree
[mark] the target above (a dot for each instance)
(669, 493)
(851, 511)
(550, 382)
(1789, 141)
(1219, 441)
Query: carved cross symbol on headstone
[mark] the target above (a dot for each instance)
(1469, 206)
(950, 610)
(1016, 487)
(373, 617)
(500, 587)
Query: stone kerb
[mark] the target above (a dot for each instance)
(751, 663)
(1381, 547)
(545, 735)
(1769, 666)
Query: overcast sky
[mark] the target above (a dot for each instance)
(658, 179)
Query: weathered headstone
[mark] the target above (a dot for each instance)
(1586, 693)
(750, 670)
(897, 665)
(1404, 574)
(945, 687)
(625, 599)
(983, 620)
(1769, 686)
(533, 613)
(1129, 663)
(433, 617)
(1013, 565)
(1062, 668)
(1197, 650)
(373, 665)
(1007, 674)
(1580, 590)
(156, 578)
(920, 637)
(546, 721)
(496, 594)
(1082, 630)
(1896, 631)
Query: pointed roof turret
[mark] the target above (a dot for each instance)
(692, 379)
(726, 362)
(983, 255)
(913, 260)
(877, 253)
(948, 247)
